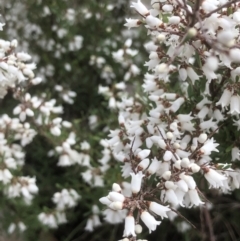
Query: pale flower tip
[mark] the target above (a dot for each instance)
(185, 162)
(166, 175)
(138, 228)
(192, 32)
(162, 68)
(116, 205)
(194, 167)
(161, 37)
(170, 185)
(202, 138)
(116, 187)
(169, 135)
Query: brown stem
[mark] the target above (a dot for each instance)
(179, 214)
(209, 224)
(219, 8)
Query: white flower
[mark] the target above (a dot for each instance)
(149, 221)
(129, 227)
(48, 220)
(140, 8)
(159, 209)
(132, 23)
(143, 164)
(167, 156)
(237, 124)
(138, 228)
(116, 205)
(105, 200)
(116, 197)
(171, 197)
(116, 188)
(194, 198)
(177, 104)
(214, 178)
(136, 181)
(65, 198)
(192, 74)
(113, 216)
(202, 138)
(235, 105)
(153, 21)
(154, 166)
(174, 19)
(167, 8)
(143, 154)
(5, 176)
(235, 154)
(209, 146)
(1, 26)
(235, 55)
(89, 226)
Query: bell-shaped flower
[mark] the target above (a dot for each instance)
(129, 226)
(136, 182)
(192, 74)
(132, 23)
(149, 221)
(182, 185)
(208, 147)
(158, 209)
(225, 98)
(210, 67)
(194, 197)
(214, 178)
(189, 180)
(140, 7)
(235, 105)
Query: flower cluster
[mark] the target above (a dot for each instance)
(168, 134)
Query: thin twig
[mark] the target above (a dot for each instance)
(230, 230)
(189, 222)
(219, 8)
(209, 224)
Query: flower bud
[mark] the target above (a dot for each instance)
(116, 187)
(116, 197)
(192, 32)
(166, 175)
(138, 228)
(194, 167)
(143, 164)
(116, 205)
(170, 185)
(167, 156)
(185, 162)
(169, 135)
